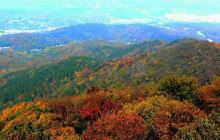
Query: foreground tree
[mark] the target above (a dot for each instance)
(209, 96)
(116, 126)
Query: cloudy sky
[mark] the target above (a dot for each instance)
(108, 11)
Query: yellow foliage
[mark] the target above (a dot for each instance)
(6, 112)
(48, 120)
(148, 107)
(29, 116)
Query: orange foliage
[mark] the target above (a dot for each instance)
(61, 133)
(161, 125)
(2, 71)
(78, 74)
(209, 95)
(91, 77)
(6, 112)
(177, 116)
(85, 71)
(93, 90)
(217, 45)
(124, 62)
(84, 74)
(126, 114)
(156, 62)
(68, 108)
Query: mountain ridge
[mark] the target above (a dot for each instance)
(126, 33)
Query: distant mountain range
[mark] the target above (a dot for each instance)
(126, 33)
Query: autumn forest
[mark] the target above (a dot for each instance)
(151, 90)
(109, 70)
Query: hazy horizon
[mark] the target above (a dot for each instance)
(46, 15)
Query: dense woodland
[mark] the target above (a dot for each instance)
(98, 90)
(12, 60)
(51, 80)
(174, 108)
(199, 59)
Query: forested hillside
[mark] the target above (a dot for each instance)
(200, 59)
(153, 90)
(53, 80)
(68, 76)
(14, 60)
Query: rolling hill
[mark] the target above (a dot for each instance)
(69, 76)
(14, 60)
(199, 59)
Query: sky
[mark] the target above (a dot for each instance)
(44, 13)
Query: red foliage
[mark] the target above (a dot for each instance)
(90, 110)
(93, 109)
(116, 126)
(141, 98)
(108, 106)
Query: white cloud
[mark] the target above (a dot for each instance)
(204, 36)
(209, 40)
(14, 31)
(128, 21)
(184, 17)
(200, 33)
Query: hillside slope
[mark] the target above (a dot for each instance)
(51, 80)
(200, 59)
(14, 60)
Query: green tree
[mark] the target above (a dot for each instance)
(179, 87)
